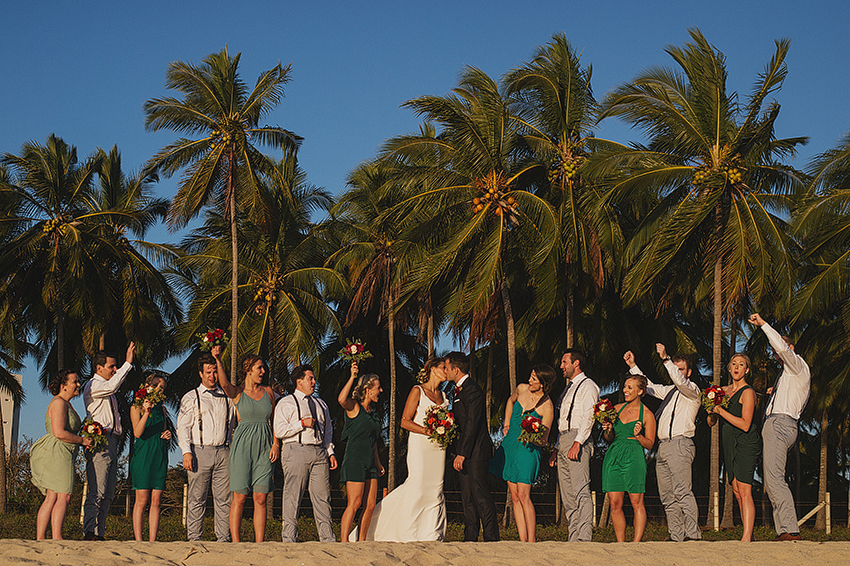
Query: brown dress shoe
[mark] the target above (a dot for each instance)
(788, 536)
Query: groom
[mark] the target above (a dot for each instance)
(473, 451)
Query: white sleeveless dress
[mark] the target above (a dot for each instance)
(415, 510)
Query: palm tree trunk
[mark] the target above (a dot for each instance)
(60, 334)
(234, 270)
(511, 334)
(101, 341)
(392, 427)
(820, 520)
(2, 465)
(431, 334)
(488, 393)
(728, 522)
(569, 312)
(717, 369)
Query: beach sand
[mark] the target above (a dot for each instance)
(111, 553)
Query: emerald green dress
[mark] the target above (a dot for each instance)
(741, 449)
(249, 467)
(52, 460)
(361, 435)
(149, 460)
(514, 461)
(624, 467)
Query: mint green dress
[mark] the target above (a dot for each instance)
(149, 460)
(514, 461)
(52, 460)
(624, 467)
(250, 468)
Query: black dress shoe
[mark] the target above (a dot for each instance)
(89, 536)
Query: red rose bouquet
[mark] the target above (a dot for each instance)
(440, 425)
(148, 393)
(533, 430)
(354, 351)
(217, 337)
(712, 397)
(604, 411)
(94, 430)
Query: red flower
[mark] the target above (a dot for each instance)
(219, 333)
(141, 393)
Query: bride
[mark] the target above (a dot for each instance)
(416, 510)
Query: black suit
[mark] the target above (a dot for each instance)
(475, 446)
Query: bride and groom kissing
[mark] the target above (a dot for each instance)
(416, 510)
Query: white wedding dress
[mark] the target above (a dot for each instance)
(415, 510)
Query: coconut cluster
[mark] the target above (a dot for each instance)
(50, 225)
(704, 175)
(566, 167)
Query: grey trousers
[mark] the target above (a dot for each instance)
(101, 472)
(211, 468)
(779, 434)
(302, 465)
(674, 468)
(574, 480)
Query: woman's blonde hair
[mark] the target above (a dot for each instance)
(745, 357)
(643, 383)
(425, 373)
(364, 382)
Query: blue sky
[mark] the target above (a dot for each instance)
(83, 70)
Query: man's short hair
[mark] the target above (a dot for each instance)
(576, 355)
(100, 357)
(458, 360)
(299, 372)
(689, 362)
(205, 359)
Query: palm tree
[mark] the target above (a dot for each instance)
(711, 169)
(223, 161)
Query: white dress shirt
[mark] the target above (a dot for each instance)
(218, 418)
(683, 406)
(791, 391)
(287, 421)
(582, 397)
(100, 401)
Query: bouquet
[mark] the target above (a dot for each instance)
(440, 425)
(217, 337)
(712, 397)
(148, 393)
(532, 430)
(354, 351)
(604, 411)
(94, 430)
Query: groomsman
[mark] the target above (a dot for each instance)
(788, 396)
(205, 425)
(472, 451)
(303, 423)
(575, 447)
(674, 463)
(102, 466)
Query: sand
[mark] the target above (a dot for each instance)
(112, 553)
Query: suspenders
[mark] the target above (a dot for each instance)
(201, 421)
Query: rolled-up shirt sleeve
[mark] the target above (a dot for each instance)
(101, 388)
(687, 387)
(793, 362)
(286, 421)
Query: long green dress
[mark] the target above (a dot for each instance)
(624, 467)
(361, 435)
(514, 461)
(249, 467)
(149, 460)
(52, 460)
(741, 449)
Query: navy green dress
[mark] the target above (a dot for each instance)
(624, 467)
(149, 460)
(514, 461)
(741, 449)
(361, 435)
(250, 468)
(52, 460)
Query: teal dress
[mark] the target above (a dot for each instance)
(250, 468)
(624, 467)
(52, 460)
(361, 436)
(741, 449)
(149, 460)
(514, 461)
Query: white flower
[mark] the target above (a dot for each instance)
(451, 421)
(711, 395)
(354, 348)
(441, 430)
(206, 339)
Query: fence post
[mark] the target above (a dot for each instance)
(83, 502)
(185, 493)
(716, 511)
(828, 514)
(593, 498)
(127, 503)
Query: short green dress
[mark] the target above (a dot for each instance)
(514, 461)
(624, 467)
(741, 449)
(52, 460)
(250, 468)
(361, 435)
(149, 460)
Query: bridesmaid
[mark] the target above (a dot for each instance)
(740, 439)
(518, 463)
(254, 447)
(52, 456)
(149, 460)
(361, 465)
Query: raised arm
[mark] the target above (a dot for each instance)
(229, 389)
(410, 412)
(345, 401)
(794, 362)
(687, 387)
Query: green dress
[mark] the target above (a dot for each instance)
(149, 460)
(514, 461)
(361, 435)
(624, 467)
(741, 449)
(249, 467)
(52, 460)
